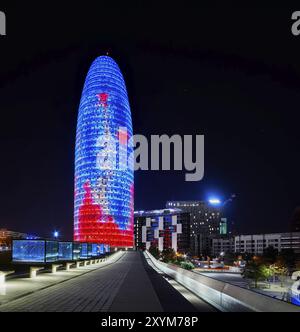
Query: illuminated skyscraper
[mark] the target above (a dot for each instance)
(103, 208)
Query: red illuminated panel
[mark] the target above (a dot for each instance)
(96, 227)
(102, 97)
(123, 137)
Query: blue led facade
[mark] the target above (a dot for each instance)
(102, 249)
(95, 250)
(35, 251)
(84, 251)
(49, 251)
(65, 251)
(77, 247)
(28, 250)
(69, 250)
(103, 206)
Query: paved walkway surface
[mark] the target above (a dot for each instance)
(137, 293)
(20, 287)
(128, 285)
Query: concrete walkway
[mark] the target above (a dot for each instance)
(137, 293)
(128, 284)
(122, 286)
(20, 287)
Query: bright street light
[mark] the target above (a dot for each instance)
(214, 201)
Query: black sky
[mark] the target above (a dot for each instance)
(230, 73)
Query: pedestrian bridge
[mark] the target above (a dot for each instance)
(129, 281)
(124, 283)
(222, 295)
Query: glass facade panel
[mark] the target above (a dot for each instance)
(84, 251)
(95, 249)
(76, 250)
(107, 248)
(65, 251)
(102, 250)
(89, 250)
(28, 251)
(48, 251)
(51, 251)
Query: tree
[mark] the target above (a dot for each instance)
(256, 271)
(168, 255)
(266, 272)
(179, 259)
(270, 255)
(247, 256)
(278, 270)
(154, 252)
(287, 258)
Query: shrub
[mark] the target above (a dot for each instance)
(154, 252)
(168, 255)
(187, 265)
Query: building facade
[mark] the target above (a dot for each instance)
(7, 236)
(103, 206)
(168, 228)
(222, 246)
(257, 243)
(205, 224)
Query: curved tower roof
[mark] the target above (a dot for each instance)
(103, 207)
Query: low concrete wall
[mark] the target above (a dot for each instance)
(223, 296)
(114, 256)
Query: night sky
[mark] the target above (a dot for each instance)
(231, 73)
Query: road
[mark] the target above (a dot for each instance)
(128, 285)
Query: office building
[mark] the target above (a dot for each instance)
(6, 237)
(103, 206)
(205, 223)
(257, 243)
(167, 228)
(222, 246)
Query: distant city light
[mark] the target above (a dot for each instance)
(214, 201)
(55, 234)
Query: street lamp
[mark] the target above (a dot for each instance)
(55, 234)
(217, 201)
(214, 201)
